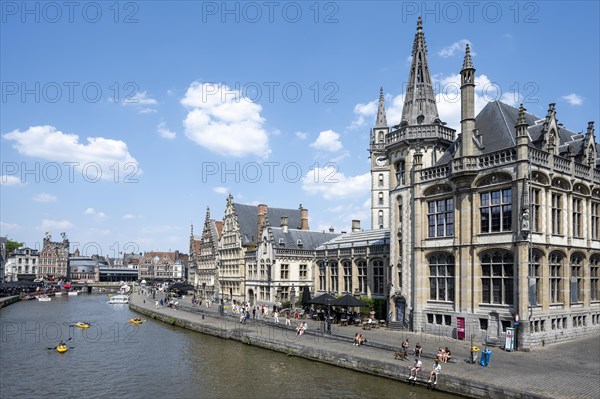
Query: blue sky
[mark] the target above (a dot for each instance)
(121, 122)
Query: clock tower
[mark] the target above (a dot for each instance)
(380, 170)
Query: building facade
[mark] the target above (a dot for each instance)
(162, 266)
(498, 225)
(54, 258)
(356, 263)
(282, 263)
(22, 265)
(203, 256)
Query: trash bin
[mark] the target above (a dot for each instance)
(484, 359)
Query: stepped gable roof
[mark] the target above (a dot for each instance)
(358, 238)
(247, 216)
(310, 240)
(496, 126)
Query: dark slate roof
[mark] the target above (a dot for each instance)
(496, 124)
(310, 239)
(247, 216)
(359, 238)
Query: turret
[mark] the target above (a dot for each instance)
(467, 105)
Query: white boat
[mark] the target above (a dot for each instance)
(116, 299)
(73, 292)
(43, 298)
(59, 293)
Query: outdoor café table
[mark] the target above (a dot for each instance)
(343, 322)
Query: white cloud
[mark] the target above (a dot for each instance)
(455, 47)
(45, 197)
(129, 216)
(164, 131)
(95, 214)
(332, 184)
(48, 224)
(6, 226)
(147, 111)
(328, 140)
(301, 135)
(46, 142)
(364, 111)
(573, 99)
(10, 180)
(223, 121)
(221, 190)
(139, 98)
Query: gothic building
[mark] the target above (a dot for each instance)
(283, 262)
(54, 258)
(203, 256)
(496, 224)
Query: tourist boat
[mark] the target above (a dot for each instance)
(134, 321)
(116, 299)
(81, 324)
(61, 348)
(43, 298)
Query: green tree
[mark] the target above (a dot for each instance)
(12, 245)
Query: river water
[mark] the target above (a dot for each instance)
(114, 358)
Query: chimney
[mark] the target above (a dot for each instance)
(355, 225)
(331, 229)
(303, 218)
(262, 214)
(284, 224)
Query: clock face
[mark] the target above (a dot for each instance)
(380, 160)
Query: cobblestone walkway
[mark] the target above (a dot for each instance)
(565, 370)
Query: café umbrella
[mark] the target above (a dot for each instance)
(348, 301)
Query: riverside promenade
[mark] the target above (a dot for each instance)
(566, 370)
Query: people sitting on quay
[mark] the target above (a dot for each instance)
(440, 354)
(435, 371)
(418, 350)
(414, 370)
(359, 339)
(447, 355)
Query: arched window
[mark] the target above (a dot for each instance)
(535, 277)
(441, 277)
(378, 282)
(576, 278)
(347, 265)
(497, 278)
(381, 180)
(380, 219)
(555, 264)
(322, 276)
(362, 276)
(595, 278)
(380, 198)
(333, 274)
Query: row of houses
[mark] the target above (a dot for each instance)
(261, 254)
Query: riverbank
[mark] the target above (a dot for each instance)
(557, 371)
(9, 300)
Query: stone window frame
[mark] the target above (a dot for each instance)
(499, 277)
(445, 272)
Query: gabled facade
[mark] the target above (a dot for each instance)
(242, 224)
(54, 258)
(157, 266)
(501, 224)
(22, 265)
(283, 262)
(204, 251)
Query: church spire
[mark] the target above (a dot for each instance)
(419, 102)
(381, 119)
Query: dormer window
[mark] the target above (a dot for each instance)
(299, 242)
(281, 242)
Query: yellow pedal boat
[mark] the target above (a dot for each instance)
(135, 321)
(82, 325)
(62, 348)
